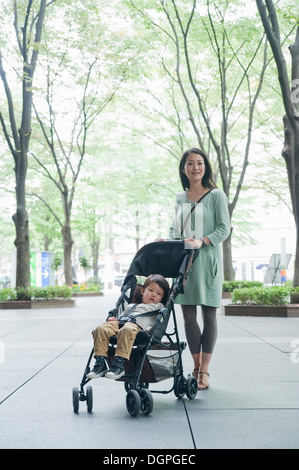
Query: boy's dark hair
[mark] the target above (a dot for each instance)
(161, 281)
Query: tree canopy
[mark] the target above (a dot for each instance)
(100, 101)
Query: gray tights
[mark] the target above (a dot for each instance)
(200, 341)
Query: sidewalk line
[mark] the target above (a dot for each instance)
(189, 424)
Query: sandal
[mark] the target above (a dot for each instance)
(201, 384)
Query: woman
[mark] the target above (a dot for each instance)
(202, 220)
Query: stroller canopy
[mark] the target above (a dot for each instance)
(168, 258)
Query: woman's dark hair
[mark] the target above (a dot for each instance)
(207, 180)
(162, 283)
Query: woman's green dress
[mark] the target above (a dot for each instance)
(210, 218)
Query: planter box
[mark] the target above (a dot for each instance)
(289, 310)
(31, 304)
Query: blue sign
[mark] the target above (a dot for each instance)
(45, 269)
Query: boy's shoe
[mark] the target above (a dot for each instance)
(117, 369)
(99, 369)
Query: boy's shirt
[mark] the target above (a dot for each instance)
(145, 322)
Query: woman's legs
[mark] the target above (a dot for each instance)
(208, 340)
(193, 333)
(201, 344)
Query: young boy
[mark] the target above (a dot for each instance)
(154, 295)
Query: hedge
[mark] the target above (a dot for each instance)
(230, 286)
(277, 295)
(35, 293)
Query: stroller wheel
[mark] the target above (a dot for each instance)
(89, 399)
(133, 402)
(128, 385)
(76, 399)
(179, 386)
(191, 387)
(147, 402)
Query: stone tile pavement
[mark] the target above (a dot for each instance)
(253, 401)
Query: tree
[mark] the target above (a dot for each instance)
(32, 14)
(73, 114)
(68, 156)
(220, 87)
(89, 218)
(289, 88)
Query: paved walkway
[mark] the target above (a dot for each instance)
(253, 401)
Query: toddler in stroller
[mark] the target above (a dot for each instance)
(135, 317)
(156, 354)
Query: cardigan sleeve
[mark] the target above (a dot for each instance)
(222, 219)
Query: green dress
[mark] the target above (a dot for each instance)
(210, 218)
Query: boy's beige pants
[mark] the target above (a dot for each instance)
(125, 338)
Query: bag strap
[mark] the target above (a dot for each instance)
(192, 209)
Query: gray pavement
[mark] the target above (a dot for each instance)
(253, 401)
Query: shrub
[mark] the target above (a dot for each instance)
(230, 286)
(89, 287)
(295, 295)
(23, 294)
(38, 293)
(64, 292)
(8, 293)
(35, 293)
(93, 287)
(261, 295)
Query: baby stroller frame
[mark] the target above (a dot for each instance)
(172, 260)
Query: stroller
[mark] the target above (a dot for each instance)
(157, 355)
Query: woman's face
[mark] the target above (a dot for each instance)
(194, 167)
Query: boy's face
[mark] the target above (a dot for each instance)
(152, 294)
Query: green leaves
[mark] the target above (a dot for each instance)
(261, 295)
(230, 286)
(36, 293)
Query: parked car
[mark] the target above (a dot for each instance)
(119, 279)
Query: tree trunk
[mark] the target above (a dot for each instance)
(20, 219)
(296, 205)
(95, 258)
(296, 264)
(290, 151)
(290, 154)
(67, 253)
(18, 139)
(228, 270)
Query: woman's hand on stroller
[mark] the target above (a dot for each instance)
(192, 243)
